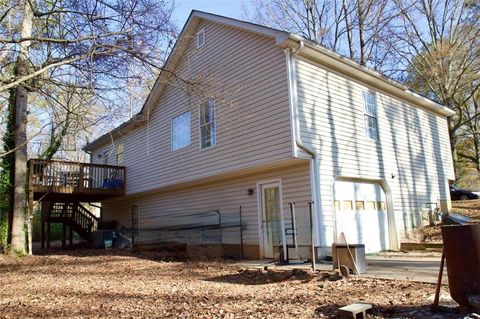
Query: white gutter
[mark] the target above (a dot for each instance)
(296, 133)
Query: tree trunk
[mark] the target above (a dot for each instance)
(361, 31)
(476, 147)
(56, 140)
(7, 175)
(20, 185)
(21, 111)
(348, 26)
(453, 145)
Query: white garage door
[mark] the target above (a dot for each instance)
(361, 214)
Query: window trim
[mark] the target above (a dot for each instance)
(120, 145)
(171, 131)
(200, 125)
(201, 32)
(367, 114)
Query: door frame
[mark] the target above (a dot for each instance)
(260, 185)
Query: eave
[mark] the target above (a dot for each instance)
(363, 74)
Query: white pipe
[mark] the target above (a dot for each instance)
(296, 133)
(294, 100)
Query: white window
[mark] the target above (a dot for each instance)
(370, 114)
(181, 131)
(119, 154)
(207, 124)
(200, 38)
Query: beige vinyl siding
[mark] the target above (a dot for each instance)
(246, 74)
(97, 155)
(226, 196)
(412, 153)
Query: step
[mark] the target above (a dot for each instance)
(357, 310)
(408, 246)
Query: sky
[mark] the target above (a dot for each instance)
(229, 8)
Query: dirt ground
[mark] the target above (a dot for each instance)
(124, 284)
(470, 208)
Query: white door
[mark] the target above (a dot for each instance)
(361, 214)
(271, 219)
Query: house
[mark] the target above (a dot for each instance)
(252, 123)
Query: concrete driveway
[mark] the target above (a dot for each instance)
(414, 268)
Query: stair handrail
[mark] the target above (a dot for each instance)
(89, 221)
(87, 212)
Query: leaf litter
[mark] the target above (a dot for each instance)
(125, 284)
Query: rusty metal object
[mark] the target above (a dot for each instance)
(462, 252)
(436, 306)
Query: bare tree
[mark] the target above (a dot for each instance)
(89, 45)
(22, 66)
(359, 29)
(439, 48)
(70, 112)
(468, 144)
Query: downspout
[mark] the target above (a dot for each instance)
(89, 154)
(293, 99)
(296, 133)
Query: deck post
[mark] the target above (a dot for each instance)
(70, 237)
(49, 234)
(64, 236)
(42, 223)
(80, 178)
(30, 207)
(44, 212)
(30, 222)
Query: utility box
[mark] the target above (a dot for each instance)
(104, 239)
(342, 256)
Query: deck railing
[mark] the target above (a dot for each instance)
(74, 177)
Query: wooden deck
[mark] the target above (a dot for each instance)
(55, 180)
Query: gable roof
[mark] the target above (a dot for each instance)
(283, 39)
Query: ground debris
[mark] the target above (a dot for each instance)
(330, 276)
(121, 284)
(470, 208)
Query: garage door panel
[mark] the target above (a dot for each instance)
(361, 214)
(348, 226)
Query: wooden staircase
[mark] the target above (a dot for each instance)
(60, 187)
(72, 215)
